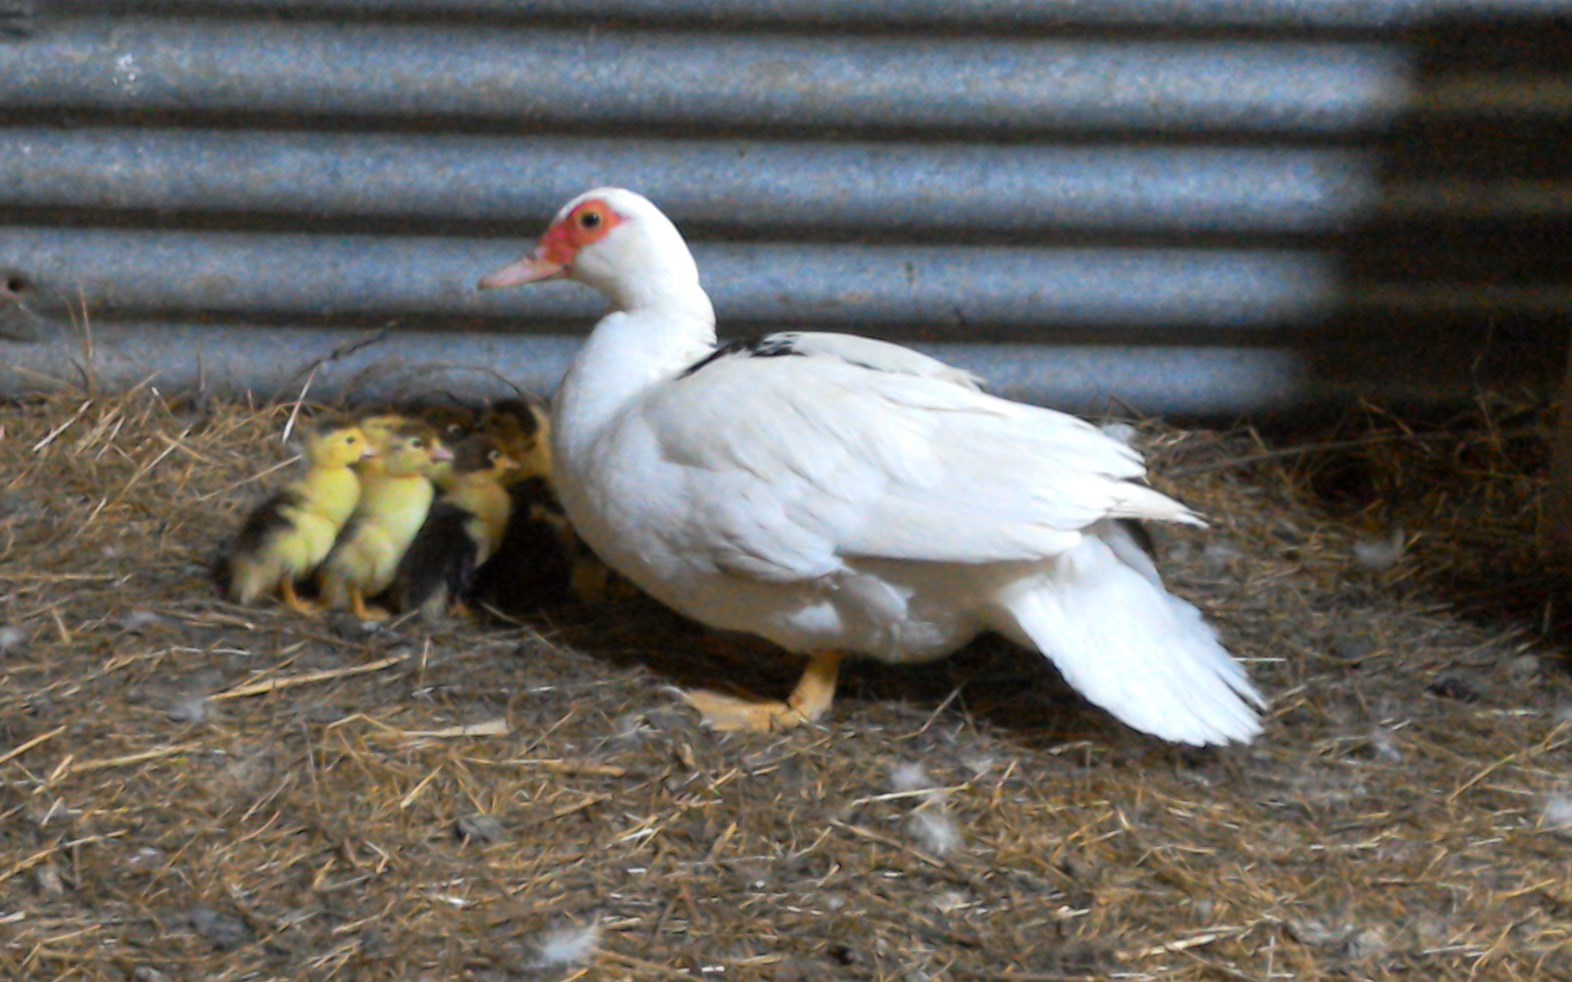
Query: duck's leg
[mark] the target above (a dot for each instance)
(292, 599)
(357, 606)
(810, 700)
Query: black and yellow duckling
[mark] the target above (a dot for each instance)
(452, 422)
(287, 537)
(523, 427)
(542, 562)
(396, 495)
(464, 530)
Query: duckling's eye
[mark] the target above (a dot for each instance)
(492, 457)
(417, 444)
(589, 220)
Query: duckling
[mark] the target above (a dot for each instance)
(453, 423)
(396, 494)
(463, 531)
(523, 427)
(379, 427)
(287, 537)
(541, 561)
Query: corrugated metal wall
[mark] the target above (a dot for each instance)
(1195, 206)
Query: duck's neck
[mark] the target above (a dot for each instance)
(651, 336)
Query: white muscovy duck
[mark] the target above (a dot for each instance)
(840, 495)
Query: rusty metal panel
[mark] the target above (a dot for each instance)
(1196, 206)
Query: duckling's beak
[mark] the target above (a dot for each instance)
(531, 269)
(368, 452)
(441, 454)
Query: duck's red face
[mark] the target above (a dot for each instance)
(588, 223)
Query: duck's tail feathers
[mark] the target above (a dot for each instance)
(1132, 648)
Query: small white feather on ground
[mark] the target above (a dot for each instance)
(929, 825)
(1380, 554)
(1557, 815)
(909, 777)
(569, 945)
(934, 830)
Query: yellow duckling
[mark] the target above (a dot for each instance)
(380, 427)
(287, 537)
(396, 494)
(463, 531)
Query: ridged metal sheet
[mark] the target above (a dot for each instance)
(390, 365)
(849, 189)
(955, 290)
(972, 15)
(545, 77)
(1199, 206)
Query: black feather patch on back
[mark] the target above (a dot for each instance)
(533, 567)
(267, 520)
(440, 562)
(760, 346)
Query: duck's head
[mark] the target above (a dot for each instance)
(415, 448)
(379, 429)
(333, 442)
(453, 423)
(482, 454)
(523, 428)
(614, 240)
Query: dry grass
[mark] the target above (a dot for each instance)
(194, 790)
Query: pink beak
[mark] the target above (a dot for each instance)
(441, 454)
(531, 269)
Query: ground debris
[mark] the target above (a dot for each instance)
(190, 789)
(224, 931)
(479, 828)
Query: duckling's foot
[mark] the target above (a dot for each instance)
(357, 606)
(809, 701)
(293, 602)
(305, 607)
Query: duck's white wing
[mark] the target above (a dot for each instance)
(798, 458)
(873, 354)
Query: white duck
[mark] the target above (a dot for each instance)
(840, 495)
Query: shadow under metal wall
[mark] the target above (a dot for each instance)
(1459, 277)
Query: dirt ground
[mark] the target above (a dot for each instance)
(195, 790)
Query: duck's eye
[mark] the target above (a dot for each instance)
(589, 220)
(418, 444)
